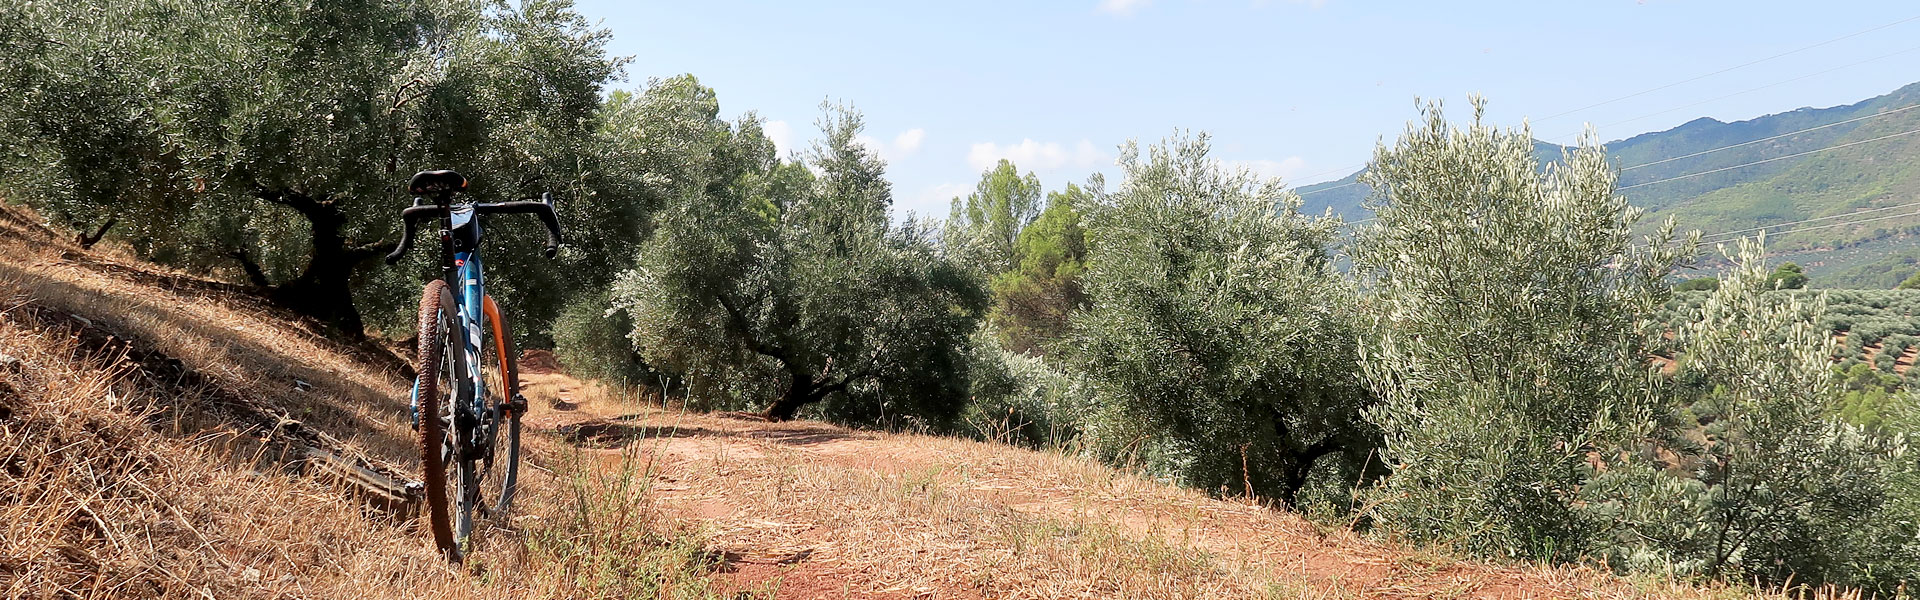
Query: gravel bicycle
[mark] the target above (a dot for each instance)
(466, 399)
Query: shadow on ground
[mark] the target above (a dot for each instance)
(620, 431)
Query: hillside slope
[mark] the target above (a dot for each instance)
(160, 434)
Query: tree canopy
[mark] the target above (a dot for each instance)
(794, 274)
(1507, 346)
(272, 138)
(1220, 326)
(986, 225)
(1032, 302)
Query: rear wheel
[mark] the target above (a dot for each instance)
(501, 469)
(441, 365)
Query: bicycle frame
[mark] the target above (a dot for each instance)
(463, 271)
(471, 283)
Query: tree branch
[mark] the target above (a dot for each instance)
(255, 274)
(87, 240)
(399, 101)
(364, 252)
(1319, 449)
(739, 321)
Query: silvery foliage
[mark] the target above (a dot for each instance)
(1024, 399)
(1505, 345)
(1219, 331)
(1773, 486)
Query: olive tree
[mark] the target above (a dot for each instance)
(1217, 324)
(1505, 346)
(788, 285)
(272, 138)
(1776, 488)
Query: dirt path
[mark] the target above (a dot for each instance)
(812, 511)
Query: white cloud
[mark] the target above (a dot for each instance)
(903, 145)
(1122, 7)
(1286, 168)
(1029, 154)
(781, 134)
(935, 200)
(909, 140)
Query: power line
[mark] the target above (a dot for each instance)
(1767, 160)
(1727, 236)
(1815, 219)
(1732, 68)
(1728, 147)
(1713, 150)
(1769, 139)
(1332, 171)
(1719, 239)
(1831, 225)
(1328, 189)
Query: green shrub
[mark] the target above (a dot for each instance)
(1784, 491)
(1218, 324)
(1912, 282)
(1697, 285)
(1021, 399)
(590, 340)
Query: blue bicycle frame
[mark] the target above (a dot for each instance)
(470, 279)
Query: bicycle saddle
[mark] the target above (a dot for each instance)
(434, 182)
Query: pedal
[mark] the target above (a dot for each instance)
(517, 405)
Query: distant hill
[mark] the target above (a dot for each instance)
(1788, 189)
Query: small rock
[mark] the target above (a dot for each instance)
(301, 386)
(9, 364)
(250, 575)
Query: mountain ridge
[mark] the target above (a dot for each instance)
(1775, 171)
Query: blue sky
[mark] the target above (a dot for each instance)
(1301, 89)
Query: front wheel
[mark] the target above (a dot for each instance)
(441, 366)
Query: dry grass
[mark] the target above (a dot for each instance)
(119, 481)
(96, 503)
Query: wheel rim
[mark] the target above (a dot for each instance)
(499, 468)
